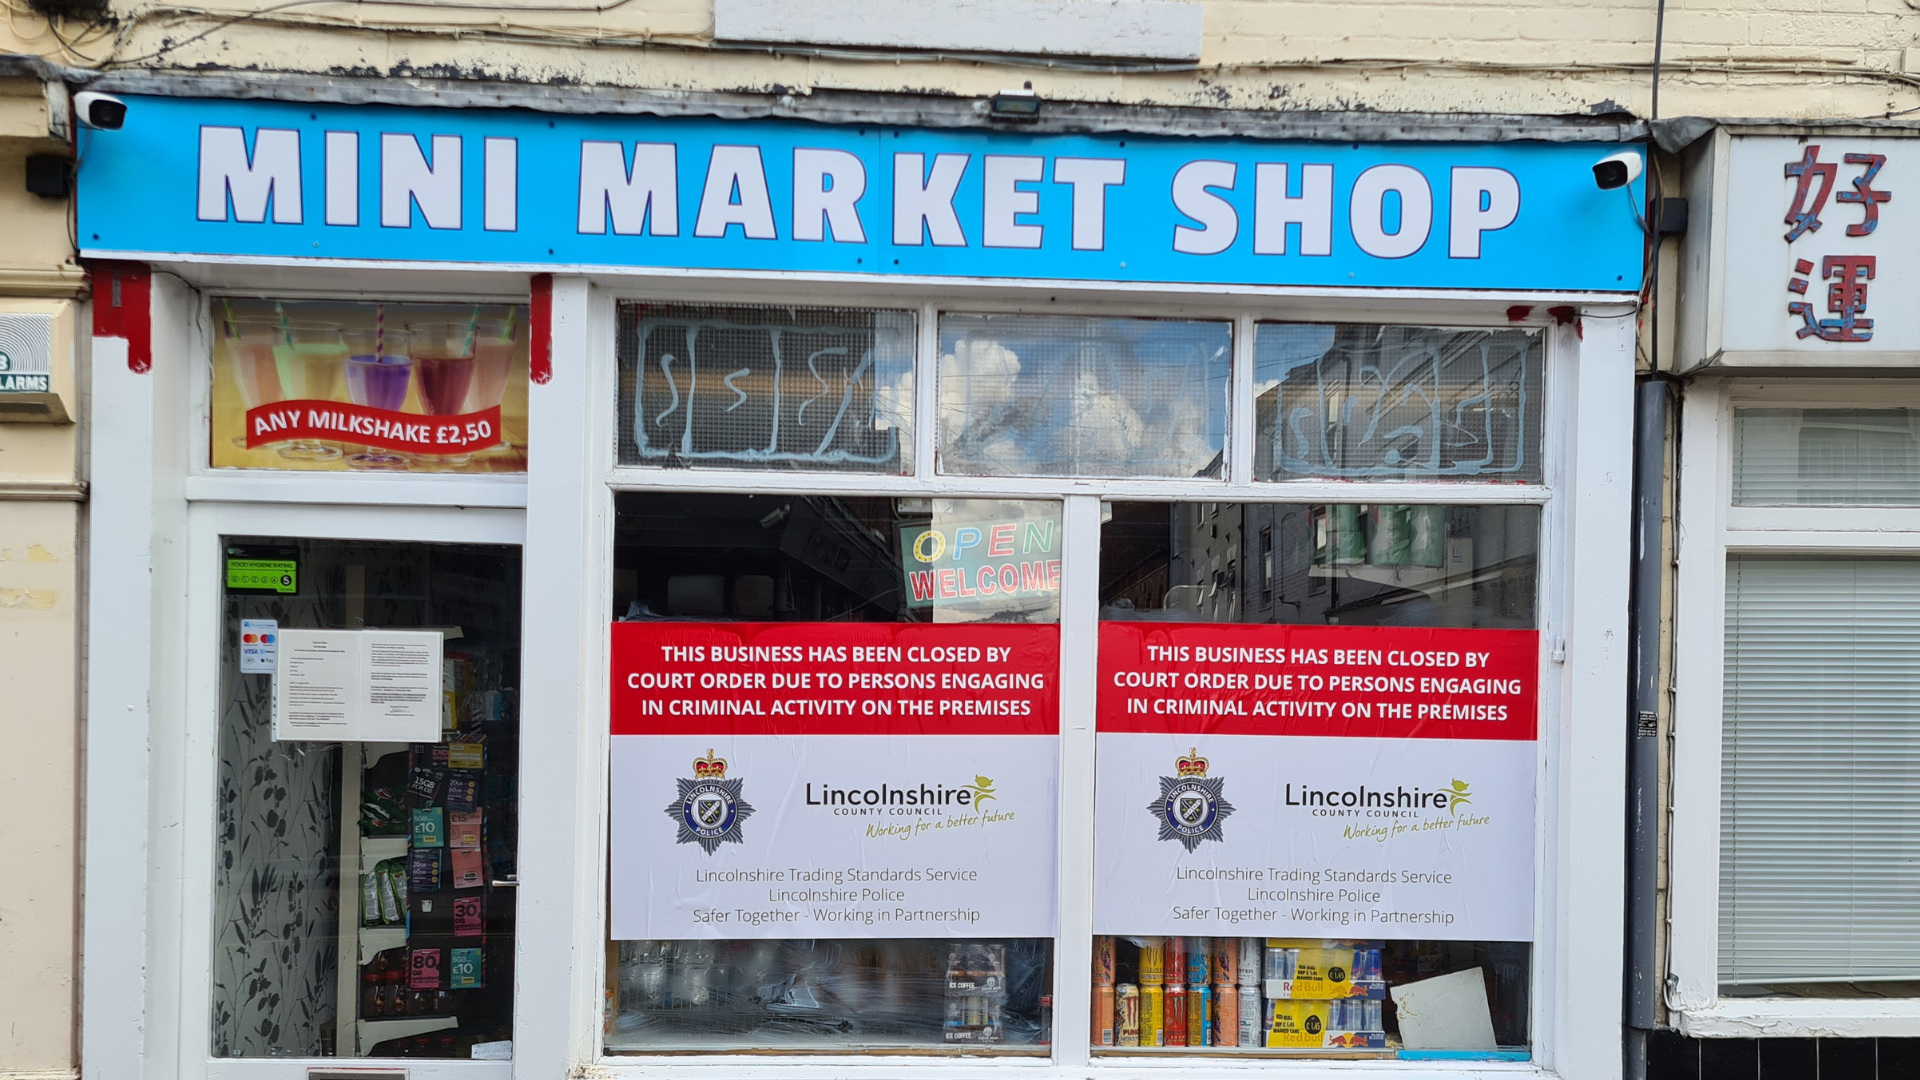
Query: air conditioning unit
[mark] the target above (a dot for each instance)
(33, 389)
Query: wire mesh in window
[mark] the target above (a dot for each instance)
(1820, 775)
(766, 387)
(1827, 457)
(1366, 402)
(1050, 395)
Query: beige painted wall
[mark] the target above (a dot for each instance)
(1792, 58)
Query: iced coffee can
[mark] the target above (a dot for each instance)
(1226, 1011)
(1103, 960)
(1126, 1015)
(1103, 1015)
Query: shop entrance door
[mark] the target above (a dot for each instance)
(350, 790)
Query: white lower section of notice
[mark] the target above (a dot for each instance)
(1149, 29)
(1324, 838)
(834, 836)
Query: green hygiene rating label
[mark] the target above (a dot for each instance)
(279, 575)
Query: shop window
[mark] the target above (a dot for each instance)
(1364, 402)
(766, 387)
(835, 750)
(1046, 395)
(1820, 766)
(365, 875)
(369, 387)
(1860, 457)
(1317, 756)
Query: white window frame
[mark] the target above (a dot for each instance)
(1711, 529)
(145, 520)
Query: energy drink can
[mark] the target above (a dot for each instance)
(1337, 1016)
(1152, 1015)
(1200, 1015)
(1276, 964)
(1250, 1017)
(1176, 1015)
(1174, 961)
(1250, 949)
(1226, 1012)
(1226, 961)
(1199, 958)
(1103, 1015)
(1153, 963)
(1103, 960)
(1375, 1022)
(1126, 1015)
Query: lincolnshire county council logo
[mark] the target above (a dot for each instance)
(1190, 807)
(709, 808)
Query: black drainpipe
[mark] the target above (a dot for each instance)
(1643, 980)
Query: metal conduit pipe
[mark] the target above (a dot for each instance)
(1643, 722)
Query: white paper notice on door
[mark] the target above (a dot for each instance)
(358, 686)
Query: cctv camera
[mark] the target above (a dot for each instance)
(1617, 171)
(96, 110)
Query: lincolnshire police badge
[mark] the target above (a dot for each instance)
(709, 808)
(1190, 807)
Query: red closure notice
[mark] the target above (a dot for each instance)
(679, 678)
(357, 424)
(1378, 681)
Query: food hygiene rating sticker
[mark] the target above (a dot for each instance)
(1190, 807)
(709, 808)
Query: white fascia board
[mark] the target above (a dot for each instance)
(1144, 29)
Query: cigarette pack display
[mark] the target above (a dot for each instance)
(1308, 1024)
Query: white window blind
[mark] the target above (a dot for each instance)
(1826, 457)
(1820, 773)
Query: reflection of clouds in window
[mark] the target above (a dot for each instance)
(1068, 396)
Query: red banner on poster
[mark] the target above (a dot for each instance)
(1367, 681)
(342, 421)
(689, 678)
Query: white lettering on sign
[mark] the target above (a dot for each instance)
(735, 171)
(922, 199)
(1274, 209)
(1005, 200)
(1219, 224)
(408, 180)
(648, 195)
(1090, 177)
(502, 185)
(1367, 211)
(1483, 200)
(343, 178)
(270, 175)
(826, 186)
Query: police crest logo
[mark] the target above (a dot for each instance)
(708, 808)
(1190, 807)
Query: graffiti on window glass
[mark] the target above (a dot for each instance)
(829, 389)
(1397, 402)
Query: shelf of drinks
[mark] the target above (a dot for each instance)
(1246, 1052)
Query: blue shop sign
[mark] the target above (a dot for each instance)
(473, 186)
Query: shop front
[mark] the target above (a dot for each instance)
(640, 596)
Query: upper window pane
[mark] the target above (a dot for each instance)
(1049, 395)
(1363, 402)
(759, 387)
(1861, 457)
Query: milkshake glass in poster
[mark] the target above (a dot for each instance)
(369, 387)
(834, 780)
(1327, 782)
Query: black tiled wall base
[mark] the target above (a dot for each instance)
(1673, 1056)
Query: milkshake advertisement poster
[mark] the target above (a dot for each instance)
(368, 386)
